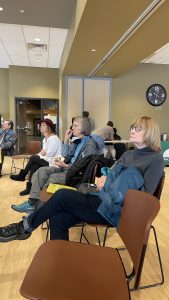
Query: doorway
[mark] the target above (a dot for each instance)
(28, 112)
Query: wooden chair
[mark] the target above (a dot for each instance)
(157, 194)
(60, 269)
(33, 147)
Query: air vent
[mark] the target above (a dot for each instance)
(36, 47)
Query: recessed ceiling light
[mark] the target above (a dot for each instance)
(38, 59)
(21, 11)
(1, 8)
(93, 50)
(37, 39)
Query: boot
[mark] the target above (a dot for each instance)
(20, 177)
(27, 190)
(0, 169)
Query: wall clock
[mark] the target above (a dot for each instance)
(156, 94)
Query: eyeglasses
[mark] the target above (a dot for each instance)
(75, 125)
(136, 128)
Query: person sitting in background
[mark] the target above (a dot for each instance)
(51, 147)
(103, 134)
(85, 114)
(8, 139)
(81, 129)
(115, 135)
(139, 169)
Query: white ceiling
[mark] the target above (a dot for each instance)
(48, 20)
(161, 56)
(14, 49)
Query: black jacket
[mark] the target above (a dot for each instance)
(83, 171)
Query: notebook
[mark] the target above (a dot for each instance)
(53, 187)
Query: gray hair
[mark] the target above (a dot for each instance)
(85, 123)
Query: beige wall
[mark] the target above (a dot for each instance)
(32, 82)
(4, 93)
(129, 97)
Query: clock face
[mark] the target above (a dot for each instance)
(156, 94)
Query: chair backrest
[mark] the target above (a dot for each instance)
(138, 212)
(33, 147)
(159, 188)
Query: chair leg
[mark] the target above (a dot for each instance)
(105, 235)
(13, 166)
(46, 228)
(159, 256)
(82, 234)
(160, 264)
(98, 237)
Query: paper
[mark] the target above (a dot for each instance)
(53, 187)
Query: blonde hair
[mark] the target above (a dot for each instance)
(151, 131)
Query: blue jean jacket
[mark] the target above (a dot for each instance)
(120, 179)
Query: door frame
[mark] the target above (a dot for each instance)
(41, 101)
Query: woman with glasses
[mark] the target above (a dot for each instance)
(80, 148)
(139, 169)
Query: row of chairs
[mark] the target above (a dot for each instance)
(70, 270)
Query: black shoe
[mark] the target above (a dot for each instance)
(12, 232)
(20, 177)
(27, 190)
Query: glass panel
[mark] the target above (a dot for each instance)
(50, 110)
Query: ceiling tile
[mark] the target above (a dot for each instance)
(57, 36)
(32, 32)
(16, 48)
(10, 32)
(4, 61)
(2, 49)
(20, 60)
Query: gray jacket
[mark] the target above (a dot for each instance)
(89, 148)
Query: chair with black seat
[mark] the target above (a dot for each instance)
(60, 269)
(32, 147)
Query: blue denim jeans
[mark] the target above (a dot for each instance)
(65, 209)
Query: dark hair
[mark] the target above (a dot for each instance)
(110, 123)
(85, 114)
(115, 130)
(10, 123)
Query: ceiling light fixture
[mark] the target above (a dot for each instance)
(93, 50)
(37, 39)
(21, 11)
(1, 9)
(38, 59)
